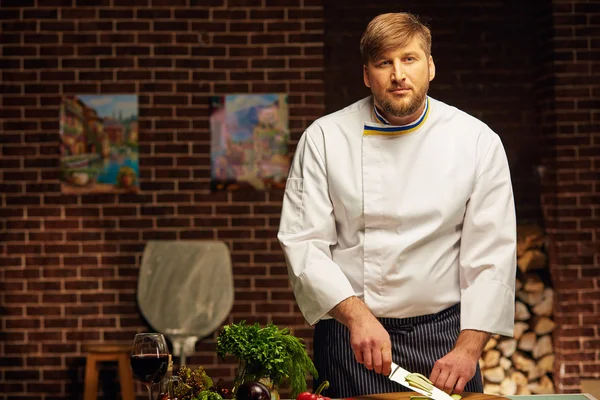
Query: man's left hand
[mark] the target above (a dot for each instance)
(453, 371)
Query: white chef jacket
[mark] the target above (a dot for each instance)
(410, 219)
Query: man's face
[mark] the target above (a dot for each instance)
(399, 81)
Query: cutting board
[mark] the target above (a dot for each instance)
(406, 396)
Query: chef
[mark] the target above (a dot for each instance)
(398, 227)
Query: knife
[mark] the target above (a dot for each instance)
(398, 374)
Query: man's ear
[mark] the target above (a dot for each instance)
(431, 69)
(366, 76)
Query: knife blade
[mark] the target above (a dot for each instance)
(398, 374)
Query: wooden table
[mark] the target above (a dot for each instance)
(406, 396)
(481, 396)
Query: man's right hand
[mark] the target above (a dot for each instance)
(372, 346)
(368, 338)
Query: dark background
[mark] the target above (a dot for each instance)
(485, 65)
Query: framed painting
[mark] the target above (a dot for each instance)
(249, 141)
(99, 143)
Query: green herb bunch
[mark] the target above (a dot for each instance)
(267, 352)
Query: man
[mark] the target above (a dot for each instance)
(398, 226)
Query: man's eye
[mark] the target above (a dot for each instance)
(409, 59)
(384, 63)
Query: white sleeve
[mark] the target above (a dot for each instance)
(488, 244)
(306, 232)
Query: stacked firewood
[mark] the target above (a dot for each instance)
(524, 363)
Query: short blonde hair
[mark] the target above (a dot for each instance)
(388, 31)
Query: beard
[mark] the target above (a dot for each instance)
(408, 105)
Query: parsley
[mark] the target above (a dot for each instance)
(266, 352)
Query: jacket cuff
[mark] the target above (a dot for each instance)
(488, 307)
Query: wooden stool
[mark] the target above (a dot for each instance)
(108, 352)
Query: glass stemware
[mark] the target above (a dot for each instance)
(149, 359)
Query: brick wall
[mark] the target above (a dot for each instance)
(69, 263)
(568, 92)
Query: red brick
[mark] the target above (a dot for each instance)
(245, 272)
(46, 236)
(59, 348)
(288, 320)
(576, 332)
(29, 323)
(591, 344)
(11, 362)
(99, 224)
(269, 258)
(127, 297)
(43, 361)
(60, 323)
(272, 308)
(11, 261)
(98, 322)
(197, 235)
(24, 274)
(121, 335)
(12, 236)
(84, 336)
(249, 245)
(82, 285)
(234, 234)
(271, 283)
(119, 310)
(265, 233)
(59, 273)
(238, 258)
(98, 298)
(23, 249)
(22, 374)
(160, 235)
(13, 285)
(53, 375)
(131, 247)
(283, 296)
(59, 298)
(16, 311)
(61, 248)
(121, 236)
(83, 236)
(81, 310)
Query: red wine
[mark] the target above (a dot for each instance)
(149, 368)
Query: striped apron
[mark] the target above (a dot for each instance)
(417, 343)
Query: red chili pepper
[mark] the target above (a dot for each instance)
(306, 396)
(316, 395)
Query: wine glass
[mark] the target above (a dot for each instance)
(149, 359)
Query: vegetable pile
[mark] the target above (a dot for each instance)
(266, 352)
(197, 385)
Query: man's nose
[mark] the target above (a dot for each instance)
(398, 74)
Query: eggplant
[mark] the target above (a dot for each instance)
(252, 391)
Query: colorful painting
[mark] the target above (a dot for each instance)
(249, 141)
(99, 143)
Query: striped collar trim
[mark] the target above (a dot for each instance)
(383, 127)
(378, 116)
